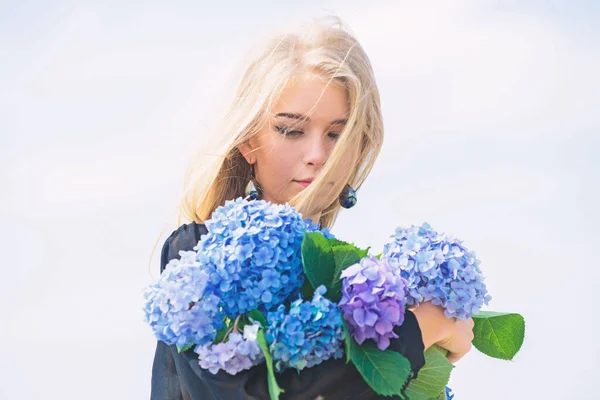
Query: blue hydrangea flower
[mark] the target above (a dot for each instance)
(437, 268)
(310, 227)
(373, 301)
(310, 333)
(238, 353)
(179, 308)
(449, 394)
(253, 250)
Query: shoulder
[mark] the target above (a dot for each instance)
(184, 238)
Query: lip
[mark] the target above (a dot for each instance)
(304, 183)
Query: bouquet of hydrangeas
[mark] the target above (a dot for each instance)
(263, 285)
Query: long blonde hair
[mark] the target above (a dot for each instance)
(324, 47)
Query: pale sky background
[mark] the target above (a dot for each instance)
(492, 135)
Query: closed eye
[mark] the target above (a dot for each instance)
(333, 135)
(284, 130)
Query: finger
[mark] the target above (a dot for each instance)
(466, 323)
(457, 354)
(468, 336)
(454, 357)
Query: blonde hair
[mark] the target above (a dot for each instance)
(326, 48)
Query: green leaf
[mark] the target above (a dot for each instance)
(317, 259)
(499, 335)
(184, 348)
(441, 396)
(433, 376)
(307, 290)
(361, 252)
(347, 341)
(274, 389)
(258, 316)
(337, 243)
(384, 371)
(344, 256)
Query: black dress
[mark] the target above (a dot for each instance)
(177, 376)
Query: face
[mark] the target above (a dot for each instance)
(296, 142)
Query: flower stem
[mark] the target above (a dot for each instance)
(234, 328)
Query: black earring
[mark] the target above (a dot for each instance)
(252, 187)
(348, 197)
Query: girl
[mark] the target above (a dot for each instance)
(305, 128)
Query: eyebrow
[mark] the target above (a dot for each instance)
(300, 117)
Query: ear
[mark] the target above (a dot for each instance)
(247, 151)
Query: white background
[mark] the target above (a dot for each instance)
(491, 116)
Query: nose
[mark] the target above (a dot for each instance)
(316, 152)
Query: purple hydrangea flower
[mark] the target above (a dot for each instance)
(238, 353)
(179, 308)
(437, 268)
(310, 333)
(373, 301)
(253, 250)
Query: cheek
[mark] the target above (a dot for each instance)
(279, 166)
(277, 162)
(275, 151)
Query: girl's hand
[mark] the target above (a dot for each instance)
(449, 333)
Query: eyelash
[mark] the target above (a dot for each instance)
(287, 132)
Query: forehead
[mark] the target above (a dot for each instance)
(309, 94)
